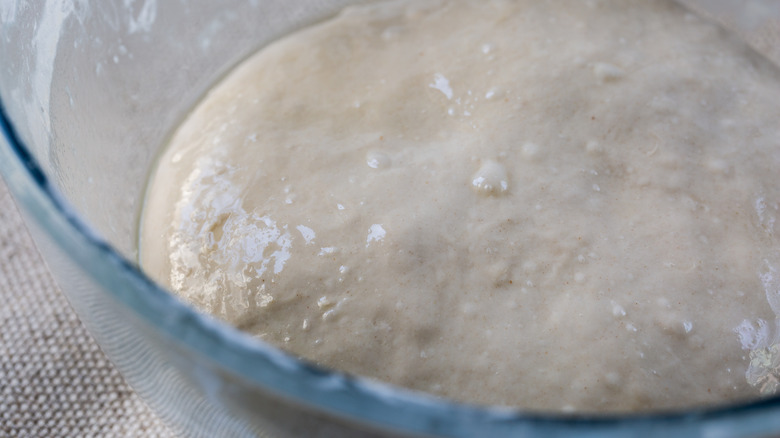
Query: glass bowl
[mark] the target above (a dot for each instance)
(89, 90)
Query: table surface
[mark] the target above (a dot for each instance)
(54, 379)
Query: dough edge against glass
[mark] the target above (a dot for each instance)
(549, 296)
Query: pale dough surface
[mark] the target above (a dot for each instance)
(557, 205)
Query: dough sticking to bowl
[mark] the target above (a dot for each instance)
(560, 206)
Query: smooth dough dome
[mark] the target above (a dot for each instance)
(555, 205)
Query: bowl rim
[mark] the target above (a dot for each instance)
(355, 398)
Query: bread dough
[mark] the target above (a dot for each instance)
(556, 205)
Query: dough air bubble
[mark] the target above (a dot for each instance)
(490, 179)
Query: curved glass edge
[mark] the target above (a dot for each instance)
(354, 398)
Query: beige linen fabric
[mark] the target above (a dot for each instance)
(54, 379)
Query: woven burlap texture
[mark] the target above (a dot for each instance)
(54, 380)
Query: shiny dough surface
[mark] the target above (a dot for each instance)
(556, 205)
